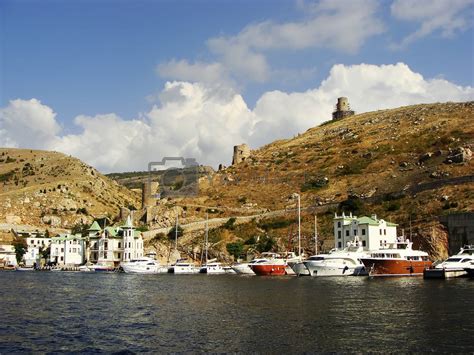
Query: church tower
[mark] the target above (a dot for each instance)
(128, 240)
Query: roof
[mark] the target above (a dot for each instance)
(63, 237)
(367, 220)
(94, 227)
(112, 231)
(128, 224)
(390, 224)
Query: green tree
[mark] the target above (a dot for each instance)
(172, 232)
(235, 249)
(20, 250)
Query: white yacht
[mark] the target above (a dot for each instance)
(338, 262)
(454, 266)
(143, 266)
(212, 268)
(458, 261)
(183, 267)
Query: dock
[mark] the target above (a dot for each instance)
(443, 273)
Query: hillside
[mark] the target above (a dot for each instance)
(408, 165)
(52, 190)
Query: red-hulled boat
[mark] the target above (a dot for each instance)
(398, 259)
(276, 266)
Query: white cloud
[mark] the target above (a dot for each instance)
(204, 122)
(336, 24)
(182, 70)
(27, 123)
(447, 17)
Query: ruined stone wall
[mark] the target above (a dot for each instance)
(460, 228)
(149, 190)
(241, 152)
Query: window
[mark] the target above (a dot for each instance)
(339, 245)
(384, 232)
(363, 243)
(32, 242)
(363, 231)
(119, 255)
(380, 232)
(355, 231)
(339, 234)
(381, 243)
(338, 224)
(62, 250)
(62, 258)
(74, 250)
(347, 233)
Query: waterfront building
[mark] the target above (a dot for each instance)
(114, 244)
(373, 233)
(7, 255)
(67, 250)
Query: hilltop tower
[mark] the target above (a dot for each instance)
(342, 109)
(241, 152)
(149, 193)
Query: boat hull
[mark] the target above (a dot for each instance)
(269, 269)
(470, 272)
(243, 269)
(395, 267)
(299, 269)
(322, 269)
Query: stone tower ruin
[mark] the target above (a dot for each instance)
(149, 192)
(241, 153)
(342, 109)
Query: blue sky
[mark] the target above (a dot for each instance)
(75, 66)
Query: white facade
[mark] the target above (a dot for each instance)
(7, 255)
(68, 250)
(113, 245)
(373, 233)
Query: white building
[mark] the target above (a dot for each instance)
(67, 250)
(112, 245)
(373, 233)
(7, 255)
(35, 244)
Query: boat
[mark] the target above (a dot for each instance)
(337, 262)
(454, 266)
(212, 268)
(85, 268)
(143, 266)
(101, 267)
(299, 267)
(24, 268)
(397, 259)
(183, 267)
(246, 269)
(277, 265)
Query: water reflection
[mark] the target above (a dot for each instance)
(88, 312)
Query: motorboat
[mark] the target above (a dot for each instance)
(454, 266)
(212, 268)
(344, 262)
(246, 269)
(277, 265)
(470, 269)
(397, 259)
(183, 267)
(101, 267)
(143, 266)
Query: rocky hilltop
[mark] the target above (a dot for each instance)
(53, 190)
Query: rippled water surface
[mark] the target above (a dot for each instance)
(93, 312)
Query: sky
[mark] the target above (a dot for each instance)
(121, 83)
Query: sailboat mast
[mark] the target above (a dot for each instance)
(315, 234)
(176, 234)
(207, 233)
(299, 226)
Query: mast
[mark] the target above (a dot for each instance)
(315, 234)
(207, 234)
(176, 234)
(299, 227)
